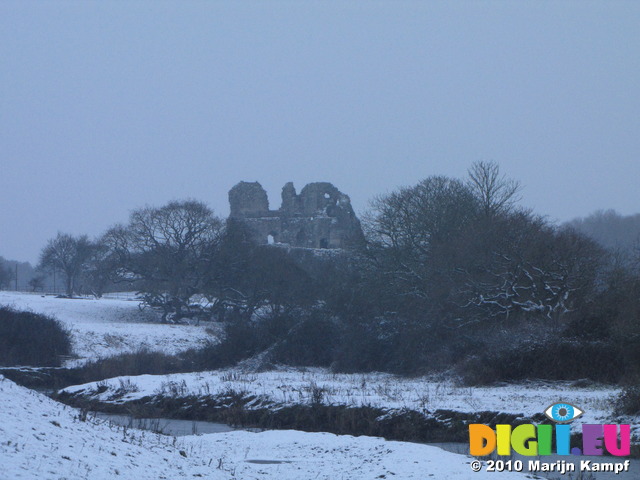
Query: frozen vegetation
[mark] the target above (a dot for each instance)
(286, 387)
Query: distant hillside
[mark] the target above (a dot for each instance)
(610, 229)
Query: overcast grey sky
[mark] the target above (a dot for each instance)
(109, 106)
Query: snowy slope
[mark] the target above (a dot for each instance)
(41, 439)
(104, 327)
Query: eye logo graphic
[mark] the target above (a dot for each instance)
(563, 412)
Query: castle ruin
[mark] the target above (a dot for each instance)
(319, 217)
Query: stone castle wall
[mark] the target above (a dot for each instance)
(319, 217)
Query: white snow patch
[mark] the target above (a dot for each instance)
(42, 439)
(294, 386)
(104, 327)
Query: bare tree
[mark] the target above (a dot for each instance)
(66, 254)
(496, 193)
(409, 229)
(6, 274)
(463, 253)
(529, 269)
(167, 251)
(37, 283)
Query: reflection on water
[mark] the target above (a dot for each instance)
(166, 426)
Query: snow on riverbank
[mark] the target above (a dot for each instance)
(42, 439)
(104, 327)
(295, 386)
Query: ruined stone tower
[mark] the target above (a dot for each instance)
(319, 217)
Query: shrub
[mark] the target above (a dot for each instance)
(392, 343)
(131, 363)
(140, 362)
(628, 403)
(242, 339)
(297, 337)
(309, 343)
(32, 339)
(561, 359)
(361, 348)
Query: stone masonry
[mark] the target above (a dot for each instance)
(319, 217)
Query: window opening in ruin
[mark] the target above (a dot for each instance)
(270, 240)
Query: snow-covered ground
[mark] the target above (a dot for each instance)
(42, 439)
(104, 327)
(294, 386)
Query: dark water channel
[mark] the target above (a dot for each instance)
(166, 426)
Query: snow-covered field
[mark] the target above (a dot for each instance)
(295, 386)
(103, 327)
(42, 439)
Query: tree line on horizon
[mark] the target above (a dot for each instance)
(453, 272)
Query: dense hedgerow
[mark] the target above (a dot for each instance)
(32, 339)
(561, 359)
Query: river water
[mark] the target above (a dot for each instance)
(166, 426)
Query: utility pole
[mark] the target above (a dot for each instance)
(16, 277)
